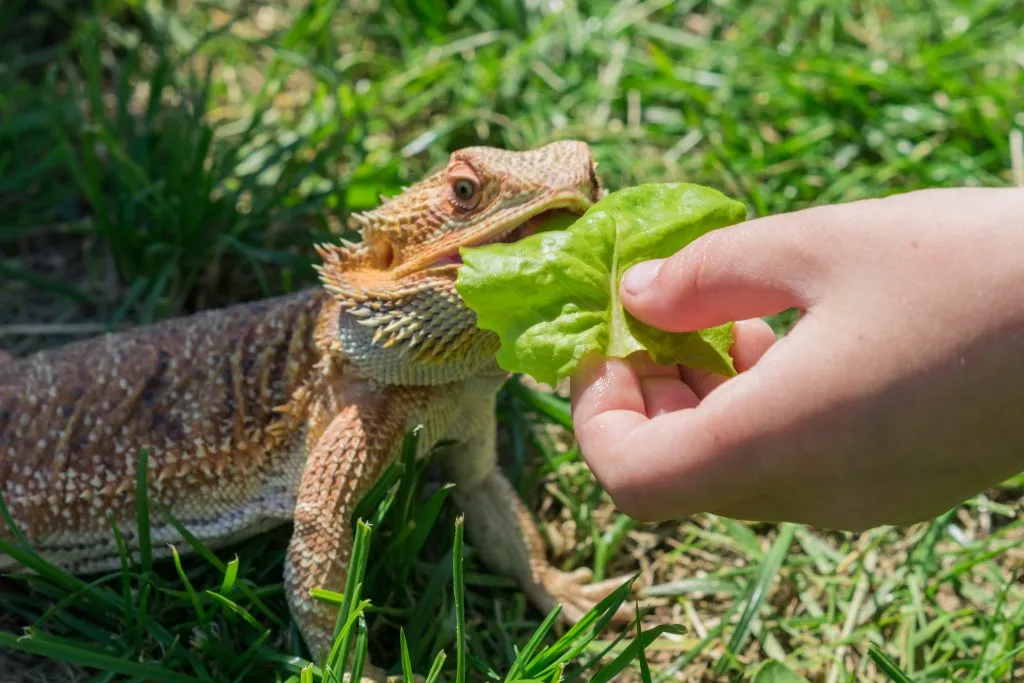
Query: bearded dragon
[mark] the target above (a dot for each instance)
(289, 409)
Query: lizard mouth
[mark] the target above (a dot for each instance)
(528, 227)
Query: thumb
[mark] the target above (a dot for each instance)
(748, 270)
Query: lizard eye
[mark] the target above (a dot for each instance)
(465, 193)
(465, 189)
(464, 186)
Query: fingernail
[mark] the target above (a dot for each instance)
(639, 277)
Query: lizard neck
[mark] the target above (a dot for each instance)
(345, 339)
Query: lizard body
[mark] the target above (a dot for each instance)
(291, 408)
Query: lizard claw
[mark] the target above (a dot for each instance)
(577, 595)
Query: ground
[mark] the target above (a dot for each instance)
(160, 158)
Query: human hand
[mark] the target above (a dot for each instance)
(898, 394)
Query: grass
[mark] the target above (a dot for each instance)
(159, 158)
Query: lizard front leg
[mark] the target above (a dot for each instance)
(349, 456)
(500, 527)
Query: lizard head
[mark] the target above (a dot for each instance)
(401, 319)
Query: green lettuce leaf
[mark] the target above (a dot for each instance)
(554, 296)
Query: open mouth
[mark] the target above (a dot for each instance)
(552, 219)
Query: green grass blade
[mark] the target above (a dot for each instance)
(126, 583)
(635, 650)
(776, 672)
(11, 524)
(404, 654)
(769, 569)
(362, 646)
(230, 577)
(582, 633)
(76, 654)
(887, 665)
(192, 595)
(555, 408)
(436, 668)
(459, 588)
(236, 608)
(212, 559)
(533, 644)
(338, 657)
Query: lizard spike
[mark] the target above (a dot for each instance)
(394, 325)
(407, 331)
